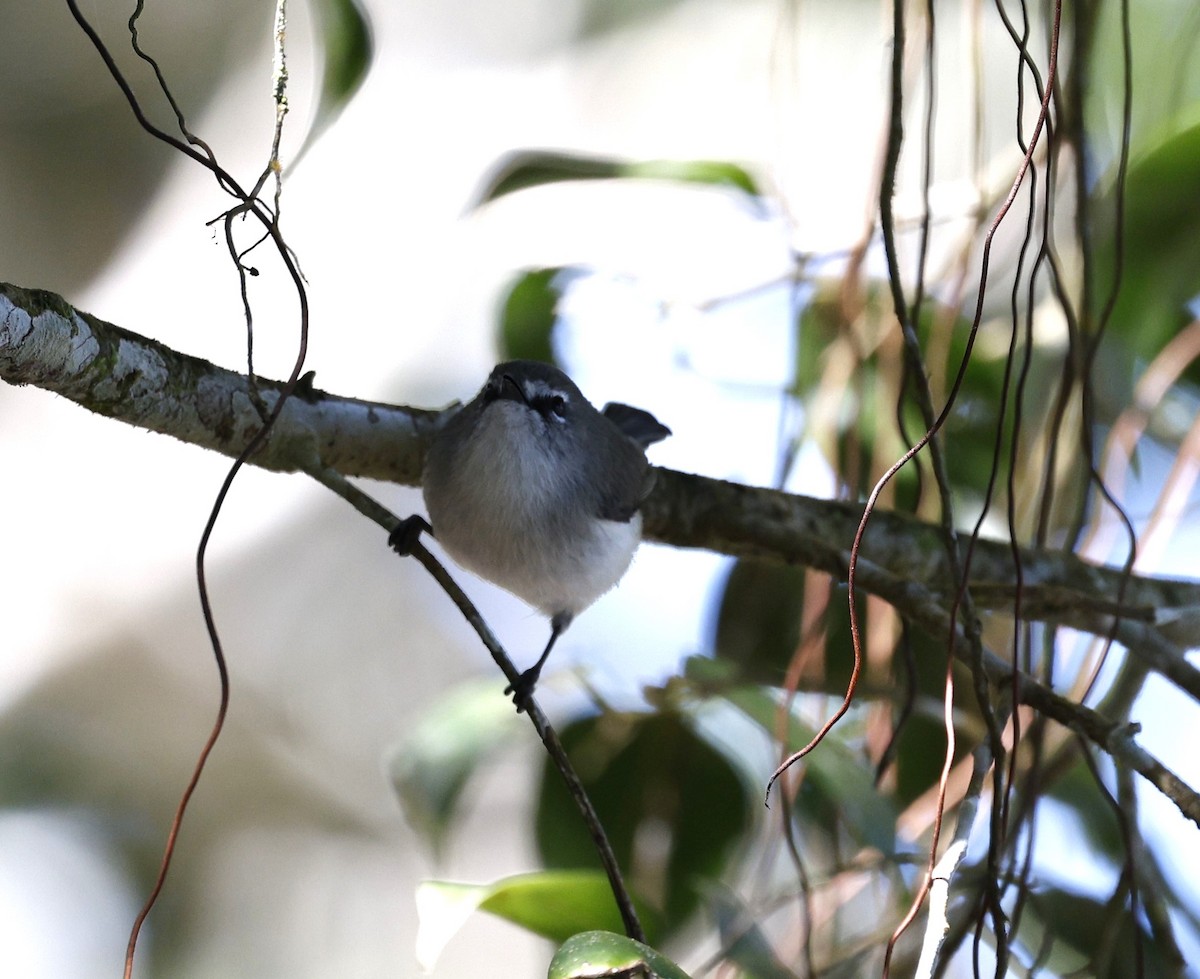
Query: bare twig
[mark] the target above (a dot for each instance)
(255, 436)
(943, 872)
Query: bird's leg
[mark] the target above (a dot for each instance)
(406, 533)
(522, 688)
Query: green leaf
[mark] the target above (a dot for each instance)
(529, 312)
(554, 904)
(758, 619)
(672, 806)
(1074, 928)
(1077, 790)
(863, 426)
(344, 37)
(849, 416)
(921, 748)
(605, 955)
(607, 16)
(430, 768)
(743, 941)
(534, 168)
(758, 629)
(838, 784)
(1161, 248)
(715, 173)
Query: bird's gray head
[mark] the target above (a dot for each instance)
(560, 407)
(530, 442)
(547, 393)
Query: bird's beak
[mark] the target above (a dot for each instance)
(505, 387)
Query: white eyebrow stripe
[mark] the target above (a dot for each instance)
(540, 389)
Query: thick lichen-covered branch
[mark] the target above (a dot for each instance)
(1160, 614)
(46, 342)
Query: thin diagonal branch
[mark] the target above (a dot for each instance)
(370, 508)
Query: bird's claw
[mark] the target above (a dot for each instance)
(521, 689)
(404, 537)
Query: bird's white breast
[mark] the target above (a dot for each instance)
(510, 518)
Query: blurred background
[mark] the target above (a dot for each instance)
(680, 296)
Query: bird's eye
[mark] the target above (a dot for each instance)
(550, 405)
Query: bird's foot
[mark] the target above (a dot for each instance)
(521, 688)
(407, 533)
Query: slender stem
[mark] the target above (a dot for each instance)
(389, 521)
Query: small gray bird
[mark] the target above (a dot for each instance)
(532, 488)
